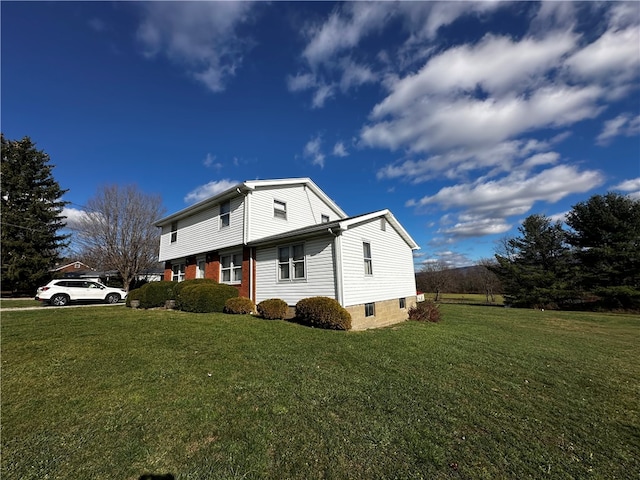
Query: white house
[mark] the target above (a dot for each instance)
(287, 239)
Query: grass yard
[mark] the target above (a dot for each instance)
(110, 392)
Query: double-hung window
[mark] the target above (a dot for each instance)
(368, 265)
(231, 268)
(177, 274)
(225, 214)
(291, 264)
(279, 209)
(174, 231)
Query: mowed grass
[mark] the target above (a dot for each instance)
(110, 392)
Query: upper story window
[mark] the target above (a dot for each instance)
(225, 214)
(368, 265)
(231, 268)
(324, 218)
(291, 264)
(174, 231)
(279, 209)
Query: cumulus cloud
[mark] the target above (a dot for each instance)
(484, 205)
(209, 190)
(74, 217)
(198, 36)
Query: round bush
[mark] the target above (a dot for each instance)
(204, 297)
(187, 283)
(426, 311)
(323, 312)
(152, 294)
(239, 305)
(273, 309)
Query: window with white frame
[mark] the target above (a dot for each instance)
(231, 268)
(177, 272)
(402, 302)
(174, 231)
(280, 209)
(201, 268)
(368, 265)
(225, 214)
(369, 309)
(291, 262)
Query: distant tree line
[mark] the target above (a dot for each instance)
(439, 277)
(594, 263)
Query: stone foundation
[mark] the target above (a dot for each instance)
(387, 312)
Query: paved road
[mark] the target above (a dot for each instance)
(81, 305)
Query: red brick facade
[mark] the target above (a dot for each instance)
(247, 288)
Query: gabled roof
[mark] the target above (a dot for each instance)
(336, 226)
(75, 264)
(243, 188)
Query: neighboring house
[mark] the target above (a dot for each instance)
(71, 268)
(287, 239)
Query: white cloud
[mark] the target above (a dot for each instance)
(74, 217)
(511, 195)
(322, 94)
(209, 190)
(631, 186)
(339, 150)
(313, 151)
(210, 162)
(344, 29)
(199, 36)
(622, 125)
(612, 57)
(301, 81)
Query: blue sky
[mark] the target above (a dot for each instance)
(461, 118)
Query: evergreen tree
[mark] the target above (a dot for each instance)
(31, 216)
(536, 269)
(606, 236)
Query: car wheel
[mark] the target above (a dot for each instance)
(113, 298)
(59, 300)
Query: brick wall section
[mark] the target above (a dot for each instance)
(190, 268)
(167, 271)
(212, 267)
(388, 313)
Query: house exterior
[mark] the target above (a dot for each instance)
(287, 239)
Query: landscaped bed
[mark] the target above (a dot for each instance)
(488, 392)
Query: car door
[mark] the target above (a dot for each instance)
(93, 291)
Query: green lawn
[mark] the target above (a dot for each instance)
(110, 392)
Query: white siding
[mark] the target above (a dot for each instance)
(304, 208)
(201, 232)
(319, 271)
(392, 261)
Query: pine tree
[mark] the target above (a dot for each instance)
(537, 269)
(606, 236)
(31, 216)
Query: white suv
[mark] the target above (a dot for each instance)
(61, 292)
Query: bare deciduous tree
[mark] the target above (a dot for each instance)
(117, 231)
(489, 280)
(434, 277)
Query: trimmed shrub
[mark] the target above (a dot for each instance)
(323, 312)
(204, 297)
(239, 305)
(426, 311)
(273, 309)
(152, 294)
(187, 283)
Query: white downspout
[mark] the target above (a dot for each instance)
(337, 258)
